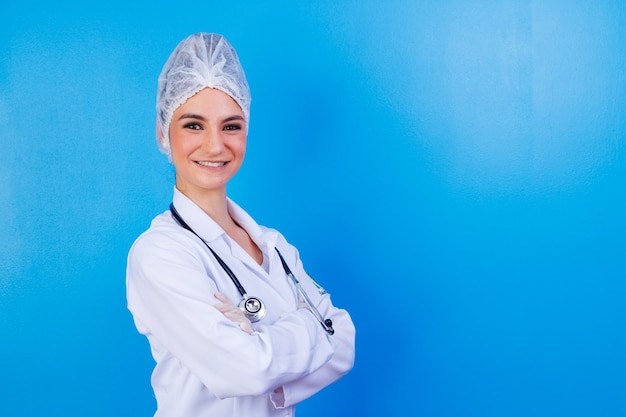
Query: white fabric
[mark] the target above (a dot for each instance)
(205, 365)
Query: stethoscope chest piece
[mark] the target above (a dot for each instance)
(253, 308)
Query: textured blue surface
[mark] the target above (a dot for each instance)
(452, 172)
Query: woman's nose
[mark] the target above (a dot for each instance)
(213, 143)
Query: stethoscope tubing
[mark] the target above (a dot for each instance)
(327, 324)
(257, 315)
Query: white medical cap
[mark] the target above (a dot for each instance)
(202, 60)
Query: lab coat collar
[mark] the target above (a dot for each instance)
(265, 238)
(196, 218)
(209, 230)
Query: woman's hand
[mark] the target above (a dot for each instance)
(233, 313)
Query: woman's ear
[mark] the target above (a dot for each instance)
(159, 135)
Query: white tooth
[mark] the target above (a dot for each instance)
(211, 164)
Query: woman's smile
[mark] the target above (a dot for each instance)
(211, 164)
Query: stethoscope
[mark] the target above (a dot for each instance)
(253, 307)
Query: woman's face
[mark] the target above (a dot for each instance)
(208, 142)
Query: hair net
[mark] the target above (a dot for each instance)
(202, 60)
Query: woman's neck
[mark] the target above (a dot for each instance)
(214, 203)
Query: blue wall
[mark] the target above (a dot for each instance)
(455, 174)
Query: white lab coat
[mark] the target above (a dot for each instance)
(205, 365)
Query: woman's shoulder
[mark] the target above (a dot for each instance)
(162, 235)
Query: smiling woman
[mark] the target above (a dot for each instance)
(219, 351)
(208, 143)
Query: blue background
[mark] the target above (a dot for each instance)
(453, 172)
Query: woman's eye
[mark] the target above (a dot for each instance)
(232, 127)
(193, 126)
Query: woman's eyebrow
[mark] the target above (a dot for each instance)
(231, 118)
(202, 118)
(192, 116)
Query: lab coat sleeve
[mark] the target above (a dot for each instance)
(342, 343)
(173, 302)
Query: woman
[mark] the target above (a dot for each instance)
(189, 272)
